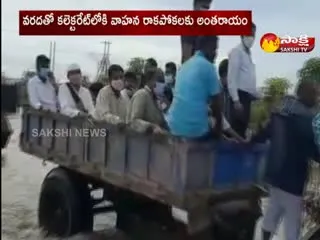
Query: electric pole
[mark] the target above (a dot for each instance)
(50, 50)
(52, 55)
(105, 61)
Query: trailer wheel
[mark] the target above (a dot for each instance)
(130, 210)
(65, 205)
(125, 214)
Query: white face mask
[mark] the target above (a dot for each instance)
(248, 41)
(117, 84)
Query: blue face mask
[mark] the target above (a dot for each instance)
(159, 89)
(43, 72)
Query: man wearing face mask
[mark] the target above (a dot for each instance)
(197, 84)
(131, 84)
(159, 91)
(150, 65)
(75, 100)
(160, 83)
(188, 42)
(111, 106)
(41, 92)
(242, 83)
(170, 78)
(144, 106)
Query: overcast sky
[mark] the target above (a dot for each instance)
(280, 17)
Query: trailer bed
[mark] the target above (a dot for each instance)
(162, 168)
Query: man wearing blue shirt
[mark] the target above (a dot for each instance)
(197, 87)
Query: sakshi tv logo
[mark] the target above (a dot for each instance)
(271, 43)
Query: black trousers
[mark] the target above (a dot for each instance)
(240, 122)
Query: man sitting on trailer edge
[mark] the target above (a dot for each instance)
(41, 92)
(131, 85)
(144, 107)
(111, 106)
(75, 100)
(150, 65)
(197, 84)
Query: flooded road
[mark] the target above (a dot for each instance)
(21, 179)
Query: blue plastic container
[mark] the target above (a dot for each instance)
(237, 166)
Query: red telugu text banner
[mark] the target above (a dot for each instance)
(135, 23)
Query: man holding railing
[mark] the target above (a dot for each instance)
(197, 84)
(41, 91)
(75, 100)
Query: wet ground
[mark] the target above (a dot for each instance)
(21, 179)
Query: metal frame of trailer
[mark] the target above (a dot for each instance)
(157, 171)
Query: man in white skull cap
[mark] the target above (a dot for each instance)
(75, 100)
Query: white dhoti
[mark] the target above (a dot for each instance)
(286, 206)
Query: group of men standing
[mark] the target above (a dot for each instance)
(199, 102)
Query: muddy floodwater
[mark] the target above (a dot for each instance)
(21, 179)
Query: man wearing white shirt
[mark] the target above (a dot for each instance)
(242, 83)
(74, 99)
(41, 92)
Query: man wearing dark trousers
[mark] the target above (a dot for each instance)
(242, 83)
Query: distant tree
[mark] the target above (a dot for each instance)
(274, 90)
(136, 65)
(276, 87)
(310, 70)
